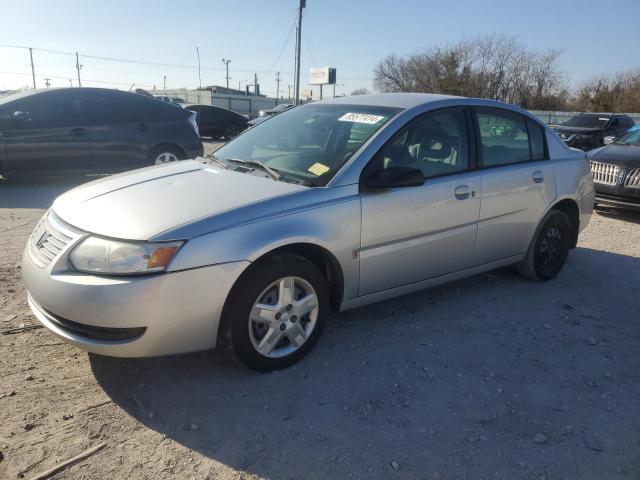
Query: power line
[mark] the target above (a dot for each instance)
(310, 37)
(59, 77)
(286, 41)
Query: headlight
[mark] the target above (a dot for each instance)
(112, 257)
(586, 136)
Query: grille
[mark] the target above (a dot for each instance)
(605, 173)
(633, 179)
(48, 240)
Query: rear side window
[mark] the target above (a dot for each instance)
(536, 137)
(505, 138)
(110, 107)
(212, 114)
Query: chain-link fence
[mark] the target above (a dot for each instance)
(559, 118)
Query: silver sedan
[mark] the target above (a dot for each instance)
(330, 205)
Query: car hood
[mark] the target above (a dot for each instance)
(572, 130)
(627, 156)
(144, 203)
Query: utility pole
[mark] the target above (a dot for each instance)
(296, 99)
(164, 84)
(255, 84)
(277, 86)
(33, 71)
(226, 62)
(78, 67)
(289, 97)
(199, 76)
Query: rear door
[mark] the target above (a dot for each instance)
(517, 182)
(124, 125)
(49, 132)
(416, 233)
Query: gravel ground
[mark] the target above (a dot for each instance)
(491, 377)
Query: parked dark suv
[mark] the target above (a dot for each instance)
(587, 130)
(79, 130)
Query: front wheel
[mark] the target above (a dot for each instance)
(275, 313)
(164, 154)
(550, 248)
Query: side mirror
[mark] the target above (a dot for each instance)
(394, 177)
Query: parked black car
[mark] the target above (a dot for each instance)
(218, 122)
(616, 171)
(275, 110)
(79, 130)
(587, 130)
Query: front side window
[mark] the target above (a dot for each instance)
(504, 138)
(435, 143)
(308, 143)
(55, 109)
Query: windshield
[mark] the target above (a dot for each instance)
(587, 121)
(308, 143)
(630, 138)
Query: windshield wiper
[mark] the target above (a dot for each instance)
(256, 163)
(217, 160)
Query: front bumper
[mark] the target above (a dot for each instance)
(132, 316)
(618, 195)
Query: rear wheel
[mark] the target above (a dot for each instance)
(164, 154)
(275, 313)
(550, 248)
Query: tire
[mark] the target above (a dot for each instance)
(549, 249)
(231, 131)
(170, 153)
(242, 333)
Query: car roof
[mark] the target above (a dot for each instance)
(394, 100)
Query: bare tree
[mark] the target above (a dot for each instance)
(360, 91)
(494, 66)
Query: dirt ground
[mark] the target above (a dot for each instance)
(492, 377)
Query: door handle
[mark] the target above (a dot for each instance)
(462, 192)
(538, 176)
(79, 131)
(143, 127)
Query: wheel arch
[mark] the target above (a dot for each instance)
(570, 208)
(324, 261)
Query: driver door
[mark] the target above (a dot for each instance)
(411, 234)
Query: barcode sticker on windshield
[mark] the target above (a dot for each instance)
(360, 118)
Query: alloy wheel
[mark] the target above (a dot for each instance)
(165, 157)
(551, 246)
(283, 317)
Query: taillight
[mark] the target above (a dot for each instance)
(192, 121)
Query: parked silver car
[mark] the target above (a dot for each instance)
(333, 204)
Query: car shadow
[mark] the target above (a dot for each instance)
(439, 380)
(39, 192)
(626, 215)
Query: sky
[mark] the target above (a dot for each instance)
(259, 37)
